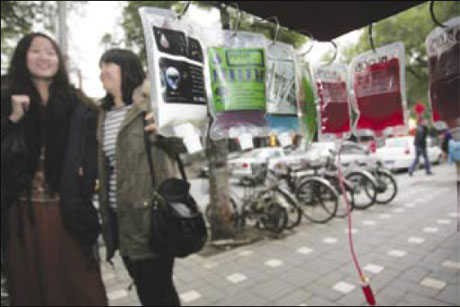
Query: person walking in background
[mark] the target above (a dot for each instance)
(420, 148)
(445, 139)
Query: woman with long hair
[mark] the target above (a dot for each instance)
(48, 173)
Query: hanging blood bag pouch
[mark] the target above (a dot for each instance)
(443, 50)
(236, 84)
(282, 85)
(332, 95)
(378, 79)
(176, 66)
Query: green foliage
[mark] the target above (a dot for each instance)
(16, 20)
(19, 18)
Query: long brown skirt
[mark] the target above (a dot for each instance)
(45, 265)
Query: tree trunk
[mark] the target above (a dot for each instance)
(216, 152)
(221, 226)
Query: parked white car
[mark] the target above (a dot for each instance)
(353, 155)
(399, 153)
(250, 164)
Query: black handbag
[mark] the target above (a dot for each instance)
(178, 228)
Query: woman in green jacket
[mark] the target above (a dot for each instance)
(126, 185)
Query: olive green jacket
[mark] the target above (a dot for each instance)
(134, 182)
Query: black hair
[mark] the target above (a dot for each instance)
(132, 74)
(19, 75)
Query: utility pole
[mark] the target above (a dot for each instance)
(62, 29)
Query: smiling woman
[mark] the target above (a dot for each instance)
(42, 59)
(48, 172)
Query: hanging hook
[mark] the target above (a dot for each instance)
(278, 28)
(238, 18)
(312, 39)
(434, 17)
(371, 38)
(335, 53)
(184, 10)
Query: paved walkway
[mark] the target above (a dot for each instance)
(410, 249)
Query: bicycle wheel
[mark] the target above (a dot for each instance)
(318, 201)
(342, 206)
(293, 210)
(387, 187)
(364, 190)
(275, 218)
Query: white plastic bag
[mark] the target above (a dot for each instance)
(176, 66)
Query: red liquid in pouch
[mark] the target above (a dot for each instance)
(379, 98)
(334, 107)
(444, 72)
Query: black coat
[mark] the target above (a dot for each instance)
(78, 178)
(420, 136)
(78, 171)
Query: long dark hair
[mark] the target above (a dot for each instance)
(42, 126)
(18, 67)
(132, 74)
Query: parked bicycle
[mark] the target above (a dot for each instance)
(267, 208)
(316, 197)
(387, 187)
(362, 183)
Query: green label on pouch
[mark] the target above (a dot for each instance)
(237, 78)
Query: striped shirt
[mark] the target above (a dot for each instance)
(112, 126)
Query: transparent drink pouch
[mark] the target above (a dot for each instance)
(282, 91)
(331, 89)
(236, 84)
(379, 90)
(176, 66)
(443, 50)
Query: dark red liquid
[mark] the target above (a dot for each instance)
(444, 72)
(379, 96)
(335, 113)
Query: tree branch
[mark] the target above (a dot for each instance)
(417, 75)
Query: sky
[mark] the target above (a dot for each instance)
(88, 25)
(86, 28)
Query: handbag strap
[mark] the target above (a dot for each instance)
(150, 160)
(181, 167)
